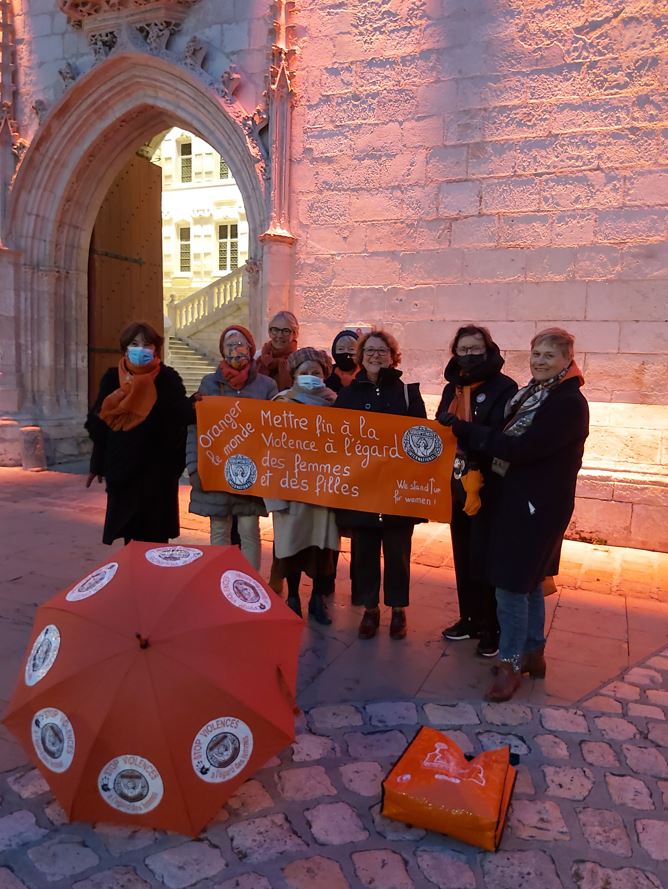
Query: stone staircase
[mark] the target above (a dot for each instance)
(190, 364)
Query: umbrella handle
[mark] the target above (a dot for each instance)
(285, 689)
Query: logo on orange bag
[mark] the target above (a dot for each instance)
(443, 759)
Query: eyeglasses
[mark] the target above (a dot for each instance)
(471, 350)
(274, 331)
(381, 353)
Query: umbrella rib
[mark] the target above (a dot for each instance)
(87, 756)
(83, 618)
(165, 735)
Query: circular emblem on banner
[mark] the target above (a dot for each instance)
(241, 590)
(480, 397)
(42, 655)
(422, 444)
(53, 739)
(221, 749)
(130, 784)
(173, 556)
(93, 583)
(240, 472)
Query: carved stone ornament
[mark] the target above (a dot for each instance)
(194, 53)
(229, 81)
(68, 74)
(98, 16)
(102, 43)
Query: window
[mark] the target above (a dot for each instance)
(228, 247)
(224, 171)
(186, 158)
(184, 248)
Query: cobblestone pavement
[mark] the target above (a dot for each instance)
(589, 808)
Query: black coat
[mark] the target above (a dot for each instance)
(388, 396)
(537, 495)
(488, 402)
(142, 466)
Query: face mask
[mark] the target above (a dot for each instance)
(140, 355)
(309, 381)
(345, 361)
(470, 362)
(238, 361)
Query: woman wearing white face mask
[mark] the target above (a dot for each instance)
(138, 427)
(236, 376)
(306, 537)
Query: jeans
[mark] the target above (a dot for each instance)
(249, 532)
(522, 620)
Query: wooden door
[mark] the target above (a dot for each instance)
(124, 264)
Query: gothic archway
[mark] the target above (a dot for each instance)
(68, 168)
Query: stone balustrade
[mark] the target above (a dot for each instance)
(205, 306)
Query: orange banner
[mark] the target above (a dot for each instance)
(325, 456)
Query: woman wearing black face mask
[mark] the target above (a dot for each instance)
(476, 391)
(343, 352)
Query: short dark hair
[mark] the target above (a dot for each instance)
(150, 334)
(472, 330)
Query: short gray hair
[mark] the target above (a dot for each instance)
(558, 337)
(289, 317)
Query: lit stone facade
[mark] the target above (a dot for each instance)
(415, 164)
(204, 228)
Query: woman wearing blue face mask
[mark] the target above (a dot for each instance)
(306, 538)
(138, 426)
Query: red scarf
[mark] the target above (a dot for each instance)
(274, 363)
(235, 377)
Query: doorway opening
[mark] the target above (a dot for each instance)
(169, 246)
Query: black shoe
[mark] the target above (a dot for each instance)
(317, 608)
(461, 630)
(488, 645)
(294, 602)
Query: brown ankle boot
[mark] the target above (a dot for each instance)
(534, 664)
(369, 624)
(398, 624)
(505, 684)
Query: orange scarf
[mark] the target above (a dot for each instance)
(472, 480)
(129, 405)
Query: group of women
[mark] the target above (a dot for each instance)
(513, 477)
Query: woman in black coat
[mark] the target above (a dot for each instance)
(538, 454)
(378, 387)
(138, 425)
(477, 391)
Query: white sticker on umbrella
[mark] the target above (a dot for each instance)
(42, 655)
(244, 592)
(130, 784)
(53, 739)
(93, 583)
(173, 556)
(221, 749)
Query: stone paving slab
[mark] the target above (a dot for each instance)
(589, 808)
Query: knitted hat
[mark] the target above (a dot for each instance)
(243, 331)
(310, 354)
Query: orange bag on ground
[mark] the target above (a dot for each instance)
(434, 786)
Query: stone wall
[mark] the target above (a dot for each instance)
(499, 161)
(495, 160)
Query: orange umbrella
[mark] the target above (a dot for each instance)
(156, 685)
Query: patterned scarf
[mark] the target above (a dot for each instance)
(523, 406)
(132, 402)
